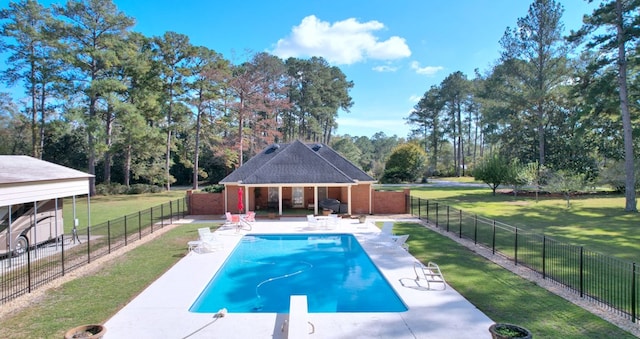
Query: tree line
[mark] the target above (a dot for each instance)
(568, 103)
(150, 109)
(160, 110)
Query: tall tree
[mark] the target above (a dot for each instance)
(427, 115)
(204, 91)
(140, 142)
(174, 54)
(535, 53)
(92, 30)
(317, 92)
(455, 91)
(614, 29)
(31, 45)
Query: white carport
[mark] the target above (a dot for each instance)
(25, 180)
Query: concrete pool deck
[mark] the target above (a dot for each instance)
(162, 310)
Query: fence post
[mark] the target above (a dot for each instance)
(581, 271)
(419, 214)
(28, 267)
(544, 257)
(633, 293)
(162, 216)
(151, 214)
(515, 250)
(493, 241)
(62, 255)
(171, 212)
(437, 214)
(475, 229)
(447, 218)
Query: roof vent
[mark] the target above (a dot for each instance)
(272, 148)
(316, 147)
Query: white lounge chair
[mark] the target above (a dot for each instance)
(312, 221)
(431, 274)
(387, 228)
(401, 240)
(385, 234)
(393, 242)
(333, 221)
(208, 241)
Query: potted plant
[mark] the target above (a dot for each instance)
(362, 218)
(86, 331)
(509, 331)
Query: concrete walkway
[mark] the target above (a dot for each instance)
(162, 310)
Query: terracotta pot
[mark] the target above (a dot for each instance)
(86, 331)
(500, 330)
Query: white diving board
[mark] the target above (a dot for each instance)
(298, 325)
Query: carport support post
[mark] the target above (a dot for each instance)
(35, 225)
(88, 228)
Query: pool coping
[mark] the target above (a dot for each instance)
(161, 310)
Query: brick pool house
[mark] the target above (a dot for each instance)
(297, 177)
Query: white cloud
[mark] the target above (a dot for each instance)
(415, 98)
(342, 43)
(385, 68)
(427, 70)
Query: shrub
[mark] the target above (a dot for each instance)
(214, 189)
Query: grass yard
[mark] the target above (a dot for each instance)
(502, 295)
(596, 221)
(104, 208)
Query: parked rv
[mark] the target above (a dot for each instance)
(23, 226)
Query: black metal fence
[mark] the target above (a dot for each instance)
(609, 282)
(49, 261)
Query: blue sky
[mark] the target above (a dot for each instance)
(393, 51)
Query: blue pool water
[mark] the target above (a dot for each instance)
(333, 271)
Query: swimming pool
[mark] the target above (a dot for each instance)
(333, 271)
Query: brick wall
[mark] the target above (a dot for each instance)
(383, 202)
(202, 203)
(390, 202)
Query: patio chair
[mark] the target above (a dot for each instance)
(431, 274)
(208, 241)
(250, 216)
(229, 217)
(247, 220)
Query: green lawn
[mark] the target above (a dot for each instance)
(104, 208)
(598, 222)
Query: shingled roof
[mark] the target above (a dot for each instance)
(297, 163)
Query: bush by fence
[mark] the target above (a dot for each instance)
(47, 262)
(607, 281)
